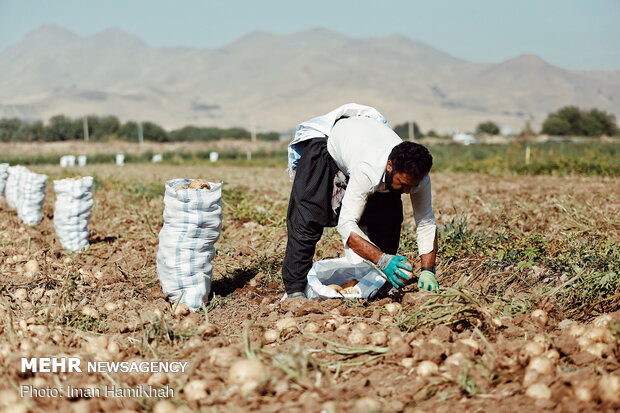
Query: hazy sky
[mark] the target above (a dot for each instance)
(574, 34)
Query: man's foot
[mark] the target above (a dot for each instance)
(298, 294)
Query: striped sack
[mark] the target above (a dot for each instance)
(31, 198)
(192, 225)
(74, 201)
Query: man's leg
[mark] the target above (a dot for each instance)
(309, 211)
(382, 219)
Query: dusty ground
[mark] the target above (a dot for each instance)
(487, 359)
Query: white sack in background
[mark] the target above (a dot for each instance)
(339, 271)
(74, 200)
(67, 161)
(4, 174)
(31, 198)
(14, 185)
(120, 159)
(192, 225)
(82, 160)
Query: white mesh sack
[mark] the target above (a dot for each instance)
(31, 198)
(339, 271)
(14, 185)
(192, 225)
(74, 200)
(4, 173)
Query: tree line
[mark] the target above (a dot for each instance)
(63, 128)
(567, 121)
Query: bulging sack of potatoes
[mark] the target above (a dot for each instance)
(4, 173)
(338, 278)
(14, 185)
(74, 201)
(192, 225)
(31, 198)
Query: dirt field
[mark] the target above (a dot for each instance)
(477, 346)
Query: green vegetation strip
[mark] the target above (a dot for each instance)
(554, 158)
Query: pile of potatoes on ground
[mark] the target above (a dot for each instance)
(539, 359)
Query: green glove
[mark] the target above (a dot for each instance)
(427, 281)
(391, 266)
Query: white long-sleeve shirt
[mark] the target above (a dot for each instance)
(360, 146)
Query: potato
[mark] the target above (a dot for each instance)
(223, 356)
(335, 287)
(393, 308)
(21, 294)
(270, 336)
(455, 359)
(331, 324)
(90, 311)
(541, 365)
(379, 338)
(286, 324)
(540, 317)
(538, 391)
(31, 267)
(350, 283)
(533, 348)
(180, 309)
(367, 404)
(470, 342)
(426, 368)
(196, 390)
(311, 327)
(208, 329)
(361, 326)
(199, 184)
(243, 371)
(357, 337)
(609, 388)
(583, 394)
(599, 335)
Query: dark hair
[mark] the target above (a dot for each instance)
(412, 159)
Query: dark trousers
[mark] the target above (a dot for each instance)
(310, 210)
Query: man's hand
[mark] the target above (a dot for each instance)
(392, 266)
(427, 281)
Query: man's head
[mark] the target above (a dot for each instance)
(407, 164)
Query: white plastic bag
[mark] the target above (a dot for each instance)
(14, 185)
(31, 198)
(74, 200)
(4, 173)
(192, 225)
(339, 271)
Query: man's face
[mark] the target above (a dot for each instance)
(399, 182)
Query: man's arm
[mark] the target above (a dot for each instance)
(364, 248)
(428, 260)
(352, 207)
(426, 227)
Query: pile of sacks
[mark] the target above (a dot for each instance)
(25, 191)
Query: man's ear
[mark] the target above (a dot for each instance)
(388, 168)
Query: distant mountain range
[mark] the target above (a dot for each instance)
(276, 81)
